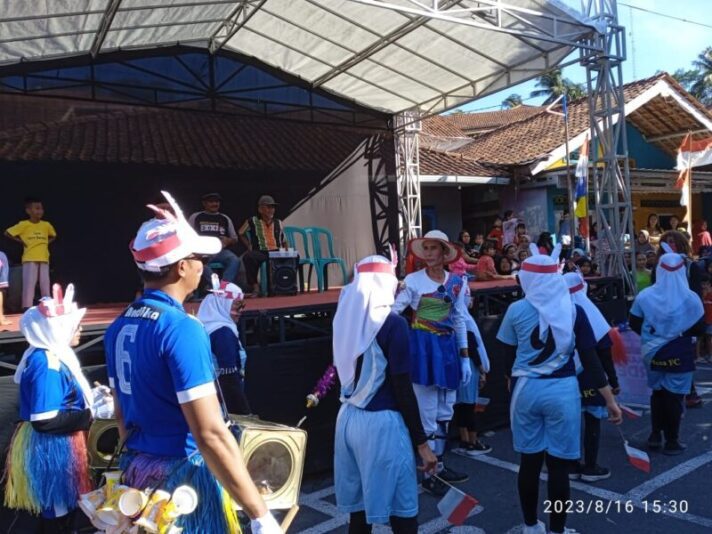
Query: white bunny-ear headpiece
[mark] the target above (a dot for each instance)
(176, 208)
(666, 247)
(393, 253)
(556, 252)
(533, 249)
(215, 282)
(59, 304)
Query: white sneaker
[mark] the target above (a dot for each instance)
(566, 531)
(539, 528)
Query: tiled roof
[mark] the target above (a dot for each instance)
(437, 163)
(535, 137)
(440, 126)
(183, 138)
(487, 120)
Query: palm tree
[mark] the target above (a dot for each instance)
(512, 101)
(702, 86)
(553, 85)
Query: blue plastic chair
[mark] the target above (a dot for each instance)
(323, 261)
(305, 258)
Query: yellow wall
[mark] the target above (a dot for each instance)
(640, 214)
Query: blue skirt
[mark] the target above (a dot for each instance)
(435, 359)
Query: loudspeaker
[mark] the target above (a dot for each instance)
(273, 453)
(283, 276)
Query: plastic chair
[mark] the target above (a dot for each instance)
(322, 262)
(291, 233)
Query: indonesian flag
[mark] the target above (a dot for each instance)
(456, 506)
(582, 182)
(637, 458)
(482, 403)
(692, 153)
(629, 412)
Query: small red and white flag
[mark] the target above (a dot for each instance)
(481, 405)
(456, 506)
(692, 153)
(629, 412)
(639, 459)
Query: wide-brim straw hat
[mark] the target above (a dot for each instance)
(451, 252)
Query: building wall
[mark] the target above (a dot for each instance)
(646, 155)
(445, 204)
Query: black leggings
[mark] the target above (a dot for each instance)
(666, 413)
(557, 487)
(591, 438)
(465, 417)
(399, 525)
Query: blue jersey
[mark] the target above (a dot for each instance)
(47, 387)
(158, 357)
(536, 358)
(226, 349)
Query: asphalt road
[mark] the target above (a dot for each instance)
(636, 499)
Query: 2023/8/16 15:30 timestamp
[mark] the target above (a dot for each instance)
(598, 506)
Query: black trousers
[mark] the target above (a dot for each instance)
(253, 259)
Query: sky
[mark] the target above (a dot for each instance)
(653, 43)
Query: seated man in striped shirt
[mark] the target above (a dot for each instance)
(265, 235)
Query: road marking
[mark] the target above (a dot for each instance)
(663, 479)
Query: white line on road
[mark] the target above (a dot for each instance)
(663, 479)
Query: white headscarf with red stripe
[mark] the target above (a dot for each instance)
(545, 289)
(363, 307)
(578, 288)
(214, 311)
(669, 305)
(51, 325)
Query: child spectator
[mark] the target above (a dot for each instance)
(4, 277)
(496, 233)
(35, 235)
(642, 273)
(702, 240)
(706, 282)
(509, 227)
(520, 236)
(479, 241)
(485, 267)
(503, 265)
(585, 266)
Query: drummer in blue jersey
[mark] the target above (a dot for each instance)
(47, 466)
(161, 374)
(593, 405)
(438, 343)
(218, 313)
(667, 315)
(539, 335)
(378, 425)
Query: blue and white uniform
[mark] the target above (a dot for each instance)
(545, 408)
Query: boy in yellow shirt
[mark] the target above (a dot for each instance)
(35, 235)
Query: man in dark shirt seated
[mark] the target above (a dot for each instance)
(211, 222)
(265, 235)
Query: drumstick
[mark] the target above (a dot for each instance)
(287, 521)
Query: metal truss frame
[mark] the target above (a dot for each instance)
(233, 23)
(407, 127)
(611, 180)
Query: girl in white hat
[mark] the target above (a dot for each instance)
(539, 334)
(438, 342)
(378, 424)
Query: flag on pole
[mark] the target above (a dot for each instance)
(637, 458)
(456, 506)
(481, 405)
(692, 153)
(629, 412)
(582, 182)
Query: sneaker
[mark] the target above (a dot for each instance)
(462, 448)
(576, 470)
(655, 440)
(673, 448)
(472, 449)
(453, 477)
(481, 447)
(434, 486)
(566, 531)
(539, 528)
(693, 400)
(595, 473)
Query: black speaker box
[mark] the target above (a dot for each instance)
(283, 276)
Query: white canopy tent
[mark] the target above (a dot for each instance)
(392, 56)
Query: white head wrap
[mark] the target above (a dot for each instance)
(545, 289)
(669, 305)
(51, 325)
(578, 288)
(214, 311)
(363, 307)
